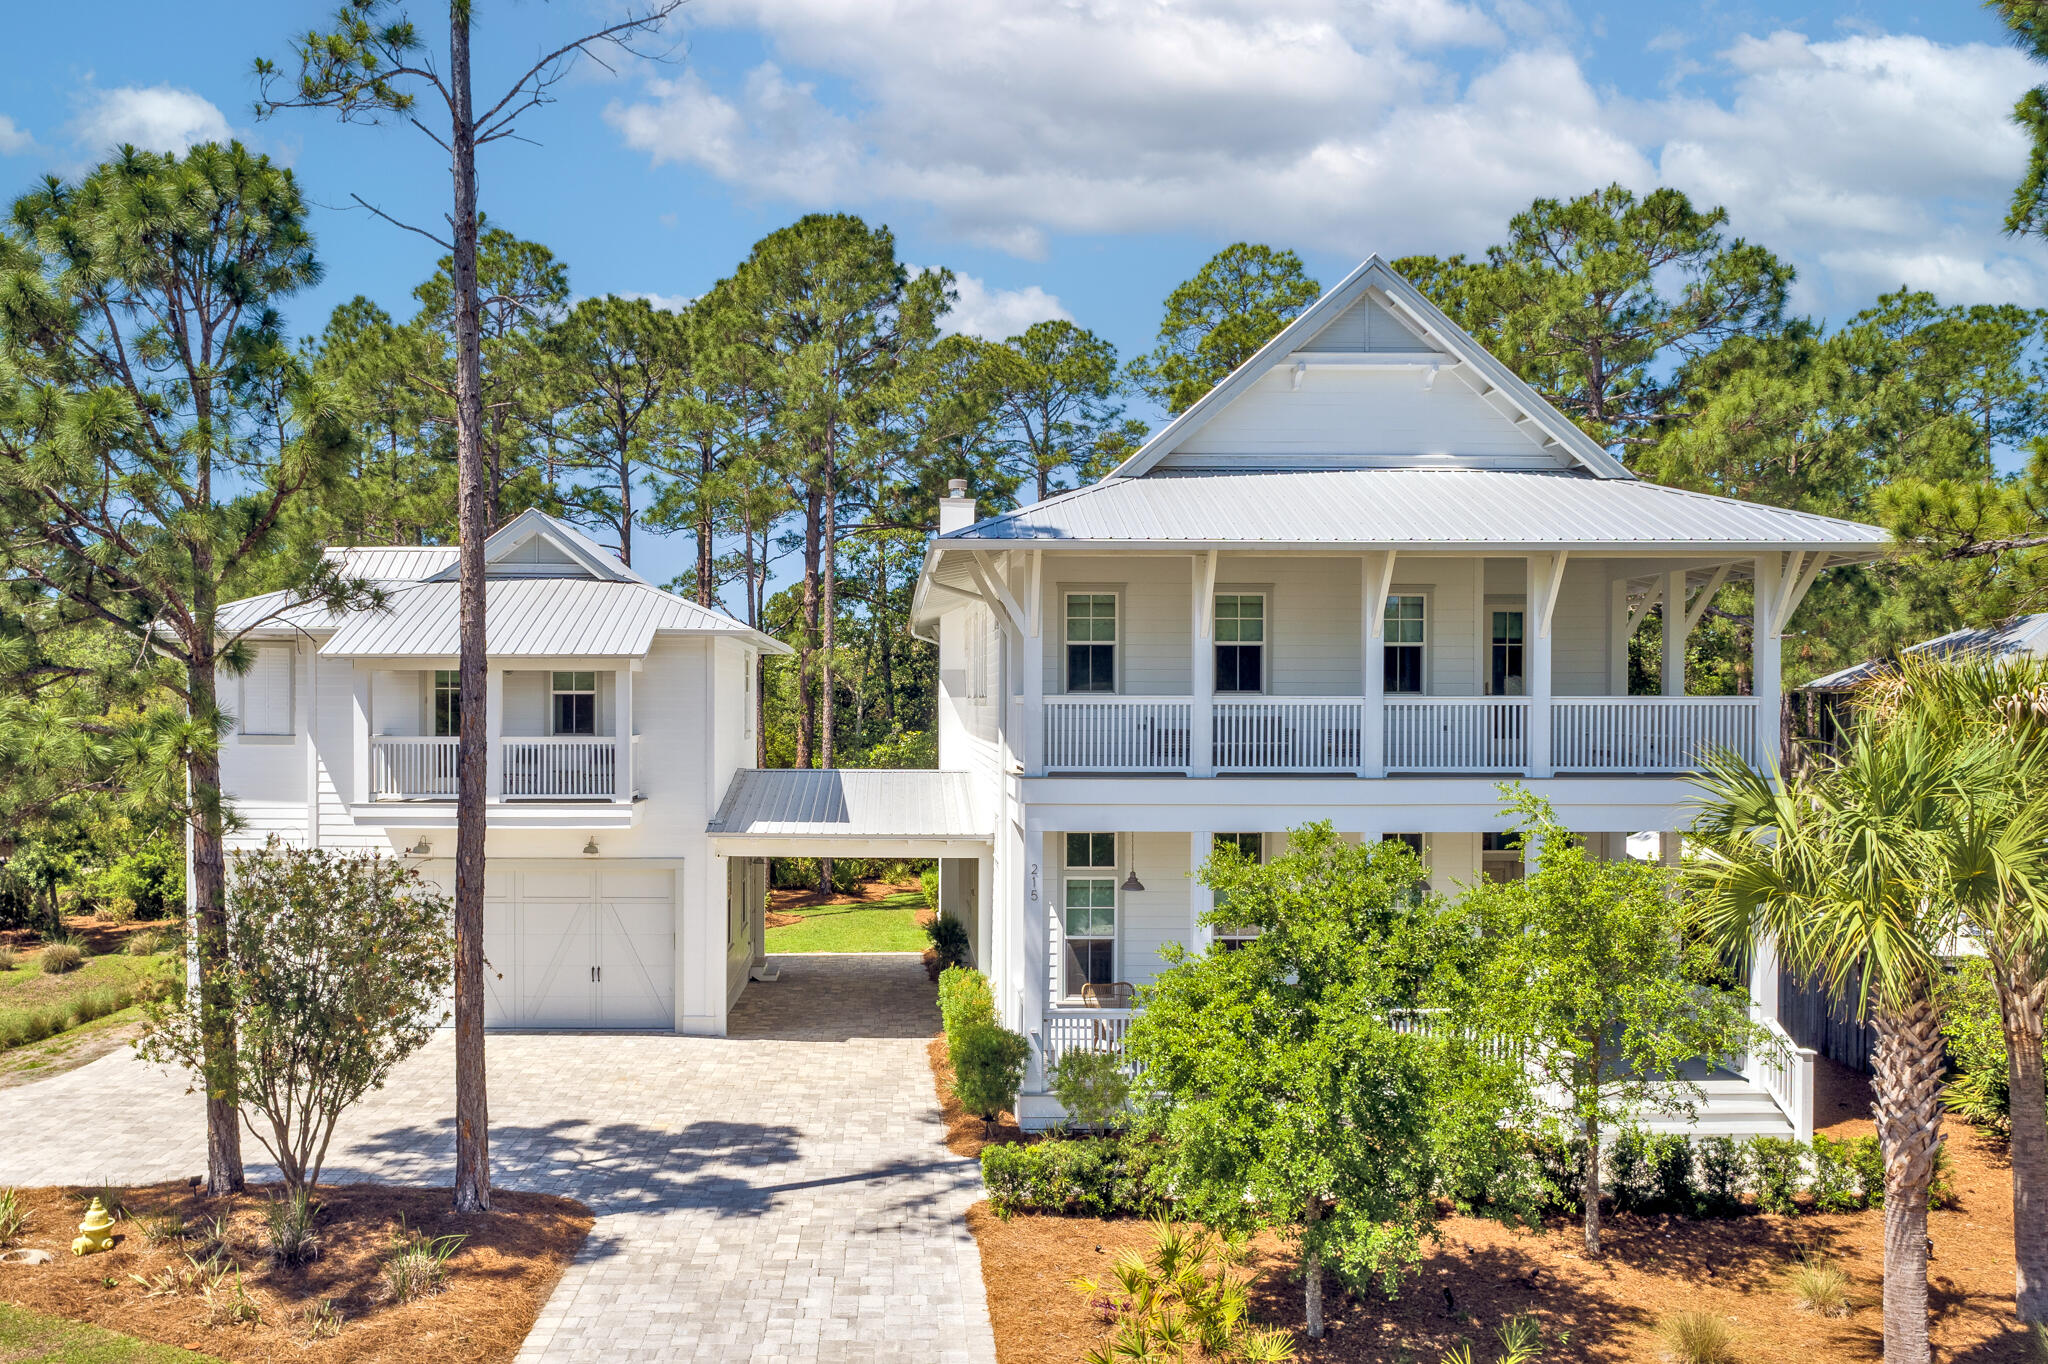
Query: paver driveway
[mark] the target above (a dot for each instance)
(783, 1193)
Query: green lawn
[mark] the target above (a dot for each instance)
(881, 926)
(31, 1338)
(52, 1023)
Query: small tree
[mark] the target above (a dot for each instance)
(336, 970)
(1583, 969)
(988, 1067)
(1288, 1095)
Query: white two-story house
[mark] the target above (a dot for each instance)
(1367, 578)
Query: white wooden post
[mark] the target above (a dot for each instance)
(309, 717)
(988, 950)
(622, 733)
(1617, 634)
(1031, 661)
(494, 734)
(1040, 888)
(1200, 898)
(1765, 683)
(359, 735)
(1674, 633)
(1372, 747)
(1202, 669)
(1536, 663)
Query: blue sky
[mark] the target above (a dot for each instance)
(1079, 157)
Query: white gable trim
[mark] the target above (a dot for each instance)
(533, 523)
(1490, 379)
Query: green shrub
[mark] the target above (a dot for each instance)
(1941, 1185)
(928, 884)
(61, 958)
(948, 935)
(1721, 1176)
(289, 1229)
(1974, 1038)
(988, 1066)
(1094, 1177)
(1671, 1174)
(1560, 1163)
(149, 878)
(147, 943)
(1835, 1186)
(1866, 1162)
(1092, 1087)
(964, 998)
(7, 958)
(1777, 1167)
(1820, 1287)
(1700, 1337)
(1629, 1181)
(94, 1004)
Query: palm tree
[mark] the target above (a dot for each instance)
(1998, 872)
(1841, 866)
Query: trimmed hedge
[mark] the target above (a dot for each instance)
(1722, 1177)
(964, 998)
(1090, 1177)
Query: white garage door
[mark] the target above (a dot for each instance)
(571, 945)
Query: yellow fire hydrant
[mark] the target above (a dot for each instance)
(97, 1229)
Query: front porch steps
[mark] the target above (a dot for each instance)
(1727, 1108)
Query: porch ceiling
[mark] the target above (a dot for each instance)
(786, 812)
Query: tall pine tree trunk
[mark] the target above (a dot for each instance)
(474, 500)
(2022, 984)
(806, 659)
(829, 610)
(210, 924)
(1907, 1085)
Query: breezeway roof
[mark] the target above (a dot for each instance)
(533, 618)
(1411, 509)
(820, 807)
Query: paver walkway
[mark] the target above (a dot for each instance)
(780, 1194)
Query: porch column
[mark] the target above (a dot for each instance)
(1031, 663)
(1617, 634)
(1674, 633)
(1763, 980)
(359, 735)
(1536, 661)
(1765, 683)
(308, 701)
(494, 731)
(622, 734)
(1372, 746)
(1200, 898)
(1202, 669)
(987, 949)
(1039, 889)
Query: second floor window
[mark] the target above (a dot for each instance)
(447, 703)
(1240, 643)
(575, 703)
(1091, 641)
(1404, 629)
(1504, 677)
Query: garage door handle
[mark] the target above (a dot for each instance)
(597, 973)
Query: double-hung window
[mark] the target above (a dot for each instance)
(1504, 674)
(1089, 923)
(447, 703)
(1230, 937)
(1240, 642)
(575, 703)
(1091, 641)
(1403, 628)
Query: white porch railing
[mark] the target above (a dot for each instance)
(1436, 1023)
(1649, 733)
(1116, 733)
(1457, 734)
(561, 768)
(1784, 1070)
(1080, 1028)
(1287, 734)
(412, 768)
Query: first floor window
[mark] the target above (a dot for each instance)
(447, 703)
(1414, 844)
(1500, 856)
(1403, 626)
(1230, 937)
(1091, 641)
(1088, 921)
(1504, 677)
(575, 698)
(1240, 643)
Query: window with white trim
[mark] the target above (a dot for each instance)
(1500, 856)
(1417, 845)
(1091, 641)
(573, 704)
(265, 702)
(1240, 642)
(1088, 920)
(1403, 627)
(1230, 937)
(1504, 675)
(447, 703)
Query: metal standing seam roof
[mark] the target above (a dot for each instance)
(2020, 635)
(872, 803)
(393, 563)
(533, 618)
(1421, 508)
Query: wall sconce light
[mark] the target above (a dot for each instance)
(590, 848)
(421, 848)
(1132, 882)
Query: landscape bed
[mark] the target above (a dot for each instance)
(498, 1278)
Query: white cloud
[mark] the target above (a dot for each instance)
(997, 314)
(668, 303)
(160, 118)
(1870, 159)
(13, 138)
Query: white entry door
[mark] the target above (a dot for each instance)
(571, 945)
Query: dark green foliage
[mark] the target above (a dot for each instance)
(1980, 1093)
(1095, 1177)
(964, 999)
(988, 1067)
(1631, 1182)
(1777, 1168)
(1092, 1086)
(147, 881)
(1721, 1171)
(948, 935)
(1671, 1174)
(1834, 1186)
(1561, 1165)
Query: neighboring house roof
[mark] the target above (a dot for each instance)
(2022, 635)
(393, 563)
(848, 803)
(1427, 508)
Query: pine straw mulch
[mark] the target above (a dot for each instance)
(100, 934)
(496, 1284)
(783, 903)
(966, 1135)
(1480, 1274)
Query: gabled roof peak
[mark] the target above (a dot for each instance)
(536, 545)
